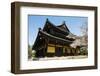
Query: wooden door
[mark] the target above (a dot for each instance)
(59, 51)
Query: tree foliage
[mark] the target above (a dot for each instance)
(84, 31)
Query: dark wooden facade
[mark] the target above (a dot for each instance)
(53, 41)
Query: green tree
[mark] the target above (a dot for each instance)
(29, 51)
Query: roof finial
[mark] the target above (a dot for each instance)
(39, 29)
(64, 22)
(47, 19)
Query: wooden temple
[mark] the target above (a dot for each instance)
(54, 41)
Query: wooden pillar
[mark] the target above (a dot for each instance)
(71, 52)
(67, 51)
(45, 48)
(63, 49)
(76, 51)
(47, 40)
(55, 48)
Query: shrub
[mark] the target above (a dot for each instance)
(83, 51)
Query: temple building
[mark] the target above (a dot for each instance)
(54, 41)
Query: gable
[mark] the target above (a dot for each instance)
(63, 27)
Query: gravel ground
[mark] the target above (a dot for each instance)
(61, 58)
